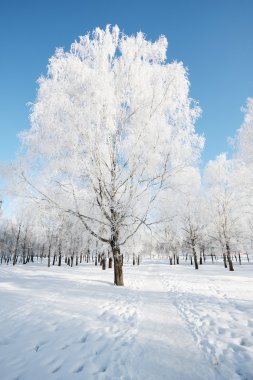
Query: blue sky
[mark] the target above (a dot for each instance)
(214, 39)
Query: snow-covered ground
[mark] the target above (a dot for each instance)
(168, 322)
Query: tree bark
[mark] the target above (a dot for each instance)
(225, 260)
(103, 261)
(16, 246)
(195, 258)
(59, 257)
(118, 271)
(230, 263)
(49, 256)
(117, 257)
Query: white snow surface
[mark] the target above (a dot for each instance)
(168, 322)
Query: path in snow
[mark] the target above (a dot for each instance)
(167, 323)
(165, 348)
(218, 310)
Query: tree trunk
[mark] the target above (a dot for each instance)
(103, 263)
(15, 258)
(230, 263)
(49, 255)
(23, 252)
(195, 258)
(117, 257)
(118, 271)
(59, 254)
(225, 260)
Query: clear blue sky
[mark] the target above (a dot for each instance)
(214, 39)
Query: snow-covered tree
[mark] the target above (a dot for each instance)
(192, 226)
(226, 204)
(244, 154)
(111, 125)
(245, 135)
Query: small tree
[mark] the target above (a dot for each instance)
(226, 204)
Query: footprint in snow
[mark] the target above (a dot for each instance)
(39, 345)
(222, 331)
(246, 342)
(56, 369)
(236, 348)
(36, 348)
(79, 368)
(83, 339)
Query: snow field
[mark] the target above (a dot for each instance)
(168, 322)
(217, 307)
